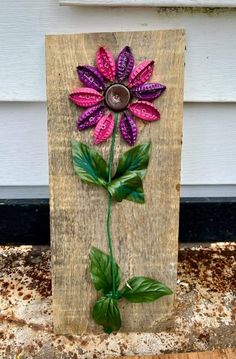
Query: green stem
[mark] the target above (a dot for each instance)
(110, 163)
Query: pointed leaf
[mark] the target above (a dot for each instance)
(144, 110)
(104, 128)
(124, 64)
(91, 77)
(107, 314)
(106, 63)
(128, 128)
(129, 186)
(101, 271)
(141, 73)
(143, 289)
(86, 97)
(135, 160)
(88, 164)
(148, 91)
(137, 195)
(90, 117)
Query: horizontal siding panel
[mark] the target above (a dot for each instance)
(209, 144)
(23, 144)
(204, 191)
(20, 192)
(200, 191)
(210, 42)
(208, 157)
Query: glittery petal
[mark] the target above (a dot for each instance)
(144, 110)
(86, 97)
(124, 64)
(90, 117)
(128, 128)
(91, 77)
(141, 73)
(148, 91)
(105, 63)
(104, 128)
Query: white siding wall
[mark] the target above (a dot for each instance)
(209, 142)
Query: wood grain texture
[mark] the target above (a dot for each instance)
(216, 354)
(145, 236)
(164, 3)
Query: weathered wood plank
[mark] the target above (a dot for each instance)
(216, 354)
(78, 211)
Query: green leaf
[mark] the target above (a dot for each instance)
(137, 195)
(142, 289)
(88, 164)
(129, 186)
(101, 273)
(107, 314)
(135, 160)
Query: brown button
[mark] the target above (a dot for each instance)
(117, 97)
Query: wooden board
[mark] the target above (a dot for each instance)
(145, 236)
(216, 354)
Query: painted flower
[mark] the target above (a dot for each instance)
(110, 87)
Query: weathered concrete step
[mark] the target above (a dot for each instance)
(203, 319)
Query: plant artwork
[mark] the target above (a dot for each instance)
(109, 107)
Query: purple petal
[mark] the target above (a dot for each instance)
(148, 91)
(125, 64)
(91, 77)
(128, 128)
(90, 117)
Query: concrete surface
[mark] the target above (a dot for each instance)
(204, 316)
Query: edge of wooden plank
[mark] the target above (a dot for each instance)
(174, 30)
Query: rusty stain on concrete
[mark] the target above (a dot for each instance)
(204, 316)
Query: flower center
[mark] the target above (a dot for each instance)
(117, 97)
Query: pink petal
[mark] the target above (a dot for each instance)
(144, 110)
(106, 63)
(86, 97)
(104, 128)
(141, 73)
